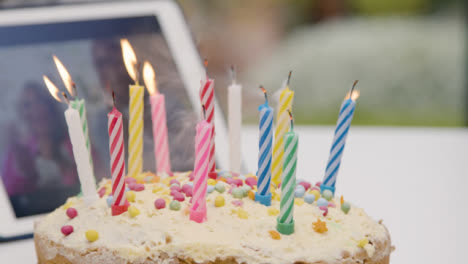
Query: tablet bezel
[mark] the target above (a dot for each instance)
(181, 45)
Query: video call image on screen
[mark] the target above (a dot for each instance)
(37, 165)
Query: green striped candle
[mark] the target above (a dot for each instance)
(285, 221)
(79, 105)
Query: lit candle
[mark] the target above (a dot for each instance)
(263, 194)
(135, 127)
(341, 132)
(282, 120)
(207, 99)
(80, 152)
(235, 123)
(202, 154)
(285, 221)
(158, 115)
(75, 103)
(117, 160)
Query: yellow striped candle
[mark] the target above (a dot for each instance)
(282, 126)
(135, 124)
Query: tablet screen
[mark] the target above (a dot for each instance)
(37, 165)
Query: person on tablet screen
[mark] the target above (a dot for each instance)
(41, 157)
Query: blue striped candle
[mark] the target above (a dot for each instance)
(341, 131)
(263, 194)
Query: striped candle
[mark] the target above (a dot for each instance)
(282, 124)
(117, 161)
(341, 132)
(79, 105)
(207, 99)
(285, 221)
(158, 116)
(263, 194)
(135, 131)
(203, 140)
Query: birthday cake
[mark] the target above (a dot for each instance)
(157, 228)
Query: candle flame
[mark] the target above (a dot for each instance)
(130, 59)
(53, 90)
(150, 78)
(66, 77)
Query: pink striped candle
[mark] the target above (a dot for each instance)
(207, 99)
(202, 154)
(117, 153)
(158, 115)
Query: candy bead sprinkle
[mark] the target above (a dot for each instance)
(159, 203)
(219, 187)
(130, 196)
(363, 242)
(309, 198)
(316, 193)
(92, 235)
(345, 206)
(327, 194)
(320, 227)
(210, 188)
(72, 213)
(67, 230)
(133, 211)
(109, 200)
(300, 191)
(238, 193)
(219, 201)
(174, 205)
(274, 234)
(322, 202)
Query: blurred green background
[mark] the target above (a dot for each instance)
(409, 56)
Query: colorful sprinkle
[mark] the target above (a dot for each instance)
(67, 229)
(67, 205)
(330, 204)
(251, 195)
(322, 202)
(237, 202)
(251, 181)
(320, 227)
(219, 201)
(316, 193)
(109, 200)
(92, 235)
(133, 211)
(130, 196)
(136, 187)
(179, 197)
(309, 198)
(213, 175)
(246, 190)
(298, 201)
(242, 214)
(210, 188)
(274, 234)
(238, 193)
(211, 182)
(363, 242)
(174, 205)
(272, 211)
(159, 203)
(327, 194)
(174, 181)
(176, 187)
(324, 209)
(72, 213)
(300, 191)
(102, 191)
(345, 207)
(219, 187)
(130, 180)
(306, 185)
(341, 200)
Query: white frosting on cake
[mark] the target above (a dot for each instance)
(224, 234)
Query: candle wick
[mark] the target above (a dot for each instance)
(264, 93)
(75, 92)
(291, 118)
(66, 98)
(233, 74)
(113, 97)
(204, 111)
(352, 88)
(137, 73)
(289, 77)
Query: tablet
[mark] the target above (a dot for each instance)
(37, 166)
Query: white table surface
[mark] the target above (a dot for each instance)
(413, 178)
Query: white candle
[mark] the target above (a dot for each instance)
(235, 124)
(81, 154)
